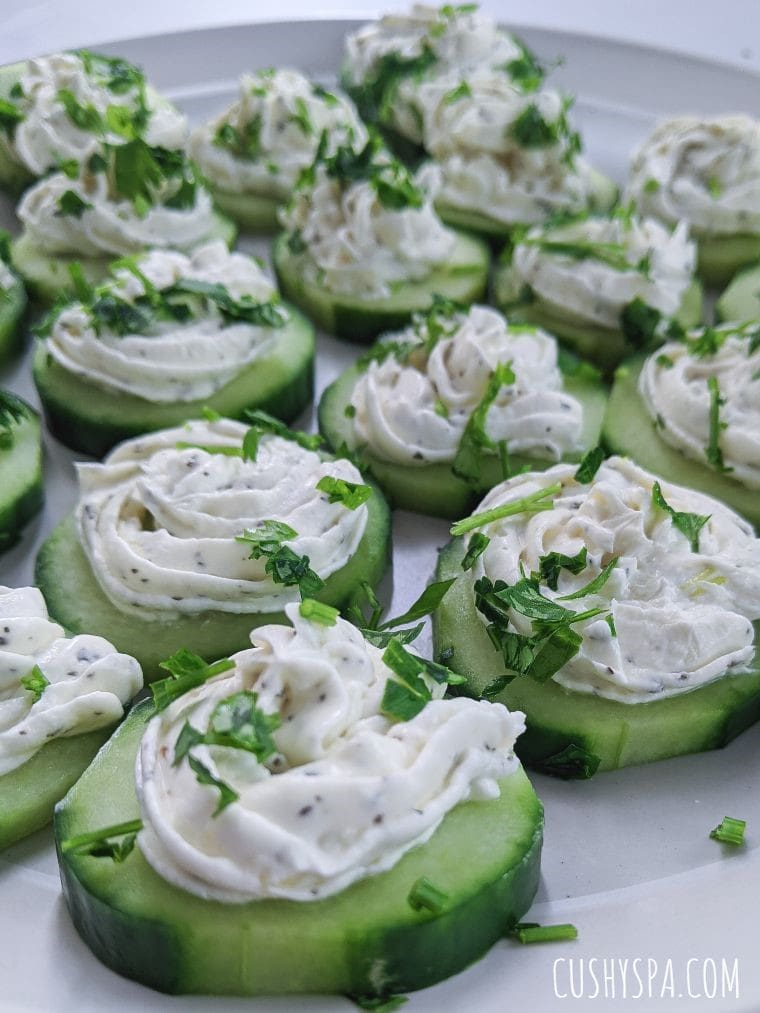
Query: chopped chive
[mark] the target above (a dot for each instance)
(534, 503)
(427, 602)
(99, 843)
(478, 545)
(593, 586)
(713, 451)
(729, 831)
(318, 612)
(425, 896)
(531, 933)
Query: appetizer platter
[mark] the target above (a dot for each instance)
(388, 338)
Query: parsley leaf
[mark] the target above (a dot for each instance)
(70, 203)
(550, 565)
(689, 524)
(427, 602)
(282, 563)
(10, 116)
(477, 546)
(374, 96)
(188, 670)
(318, 612)
(594, 586)
(713, 452)
(35, 682)
(590, 464)
(350, 494)
(12, 411)
(100, 843)
(525, 70)
(203, 775)
(262, 422)
(639, 322)
(475, 441)
(86, 117)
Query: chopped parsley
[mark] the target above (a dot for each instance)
(713, 452)
(318, 612)
(532, 130)
(350, 494)
(282, 564)
(391, 181)
(407, 693)
(591, 462)
(651, 186)
(35, 682)
(462, 90)
(203, 775)
(236, 722)
(188, 670)
(242, 142)
(525, 70)
(715, 187)
(594, 586)
(12, 412)
(729, 831)
(688, 524)
(10, 116)
(475, 443)
(86, 117)
(535, 502)
(374, 96)
(550, 566)
(101, 843)
(478, 545)
(71, 204)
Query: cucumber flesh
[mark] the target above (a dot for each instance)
(12, 308)
(618, 734)
(92, 419)
(604, 346)
(365, 940)
(463, 278)
(47, 277)
(13, 176)
(629, 430)
(251, 211)
(20, 480)
(720, 257)
(741, 300)
(434, 488)
(75, 600)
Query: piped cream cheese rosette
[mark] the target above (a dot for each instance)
(170, 334)
(192, 536)
(443, 408)
(705, 172)
(691, 410)
(623, 610)
(364, 248)
(61, 110)
(130, 197)
(59, 696)
(254, 152)
(604, 284)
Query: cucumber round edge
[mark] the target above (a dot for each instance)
(13, 303)
(92, 419)
(253, 212)
(366, 940)
(21, 479)
(741, 299)
(629, 430)
(433, 488)
(75, 600)
(617, 734)
(464, 278)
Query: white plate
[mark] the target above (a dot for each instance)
(627, 856)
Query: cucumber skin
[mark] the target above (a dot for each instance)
(91, 419)
(434, 488)
(21, 480)
(75, 600)
(362, 322)
(14, 178)
(621, 735)
(741, 300)
(47, 277)
(365, 940)
(29, 793)
(12, 311)
(603, 346)
(629, 430)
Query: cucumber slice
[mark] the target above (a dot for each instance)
(629, 430)
(253, 212)
(92, 419)
(29, 793)
(365, 940)
(47, 277)
(13, 176)
(603, 346)
(603, 196)
(75, 600)
(741, 300)
(12, 308)
(20, 480)
(618, 734)
(434, 488)
(463, 278)
(720, 257)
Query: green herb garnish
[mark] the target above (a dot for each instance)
(550, 566)
(12, 412)
(729, 831)
(71, 204)
(35, 682)
(425, 896)
(203, 775)
(282, 563)
(639, 322)
(536, 502)
(475, 443)
(318, 612)
(100, 843)
(188, 670)
(350, 494)
(689, 524)
(591, 462)
(713, 452)
(594, 586)
(478, 545)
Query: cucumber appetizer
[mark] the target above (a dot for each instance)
(456, 402)
(689, 412)
(297, 819)
(124, 199)
(741, 300)
(253, 153)
(364, 249)
(165, 337)
(12, 303)
(601, 284)
(20, 467)
(705, 172)
(615, 609)
(193, 536)
(61, 697)
(57, 111)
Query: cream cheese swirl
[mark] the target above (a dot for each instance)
(88, 682)
(172, 361)
(413, 411)
(682, 618)
(276, 126)
(47, 134)
(347, 793)
(158, 520)
(703, 171)
(615, 260)
(674, 387)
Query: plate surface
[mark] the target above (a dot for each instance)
(627, 856)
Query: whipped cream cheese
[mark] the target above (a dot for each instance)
(89, 682)
(158, 521)
(655, 265)
(674, 387)
(414, 412)
(47, 135)
(109, 225)
(172, 361)
(357, 246)
(347, 793)
(263, 142)
(681, 618)
(703, 171)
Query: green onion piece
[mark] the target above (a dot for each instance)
(729, 831)
(318, 612)
(425, 896)
(210, 414)
(188, 670)
(530, 933)
(534, 503)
